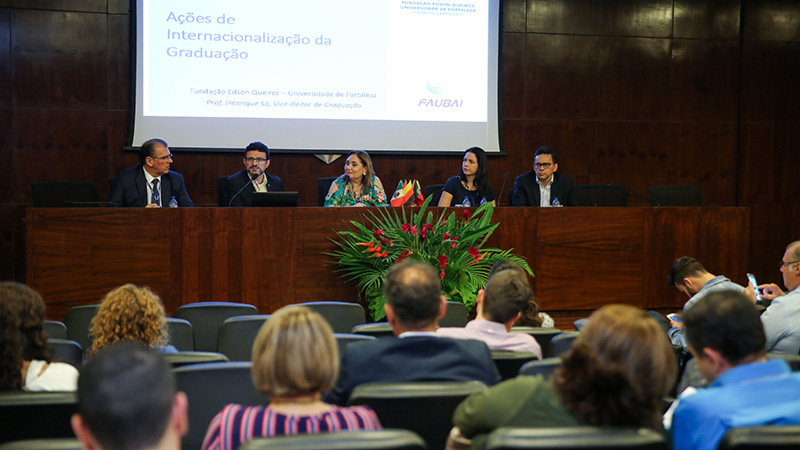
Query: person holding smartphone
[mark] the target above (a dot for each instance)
(782, 318)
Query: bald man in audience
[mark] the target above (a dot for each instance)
(782, 318)
(127, 400)
(506, 296)
(414, 305)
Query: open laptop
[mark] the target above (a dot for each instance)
(275, 199)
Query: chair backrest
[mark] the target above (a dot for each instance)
(58, 194)
(77, 320)
(436, 191)
(323, 185)
(66, 351)
(237, 334)
(377, 329)
(55, 329)
(767, 437)
(583, 438)
(342, 316)
(509, 362)
(43, 444)
(206, 317)
(510, 195)
(209, 387)
(542, 336)
(791, 359)
(675, 196)
(181, 359)
(222, 197)
(562, 342)
(424, 407)
(344, 339)
(455, 315)
(544, 367)
(34, 415)
(181, 334)
(362, 440)
(601, 195)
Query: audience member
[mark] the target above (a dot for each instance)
(414, 305)
(26, 361)
(240, 187)
(690, 277)
(506, 296)
(544, 185)
(358, 186)
(294, 358)
(782, 318)
(130, 313)
(150, 184)
(471, 186)
(615, 374)
(127, 400)
(531, 316)
(727, 340)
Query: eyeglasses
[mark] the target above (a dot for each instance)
(163, 158)
(257, 160)
(788, 263)
(542, 165)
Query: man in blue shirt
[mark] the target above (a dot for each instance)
(725, 335)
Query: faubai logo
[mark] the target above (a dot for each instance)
(433, 89)
(441, 103)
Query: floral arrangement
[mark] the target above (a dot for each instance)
(452, 243)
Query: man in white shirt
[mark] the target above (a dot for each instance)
(782, 318)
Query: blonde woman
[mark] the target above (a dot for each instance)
(295, 358)
(130, 313)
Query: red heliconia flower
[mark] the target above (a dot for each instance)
(453, 241)
(423, 234)
(378, 233)
(473, 252)
(442, 274)
(413, 230)
(428, 227)
(445, 236)
(442, 262)
(465, 215)
(403, 255)
(387, 241)
(406, 227)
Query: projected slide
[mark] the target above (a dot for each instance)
(357, 61)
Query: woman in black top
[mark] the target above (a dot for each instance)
(471, 187)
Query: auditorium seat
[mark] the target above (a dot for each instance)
(66, 351)
(377, 329)
(181, 359)
(43, 444)
(675, 196)
(59, 194)
(206, 317)
(544, 367)
(361, 440)
(323, 185)
(55, 329)
(456, 315)
(583, 438)
(561, 343)
(601, 195)
(237, 334)
(180, 334)
(424, 407)
(209, 387)
(542, 336)
(342, 316)
(78, 319)
(33, 415)
(344, 339)
(436, 191)
(509, 362)
(767, 437)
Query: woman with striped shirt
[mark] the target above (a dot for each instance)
(295, 358)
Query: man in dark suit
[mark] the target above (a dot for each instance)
(414, 305)
(239, 187)
(543, 185)
(150, 184)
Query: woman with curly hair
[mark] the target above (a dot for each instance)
(26, 361)
(130, 313)
(615, 374)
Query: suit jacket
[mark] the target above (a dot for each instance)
(418, 358)
(130, 189)
(526, 190)
(245, 198)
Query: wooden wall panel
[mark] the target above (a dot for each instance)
(5, 58)
(650, 18)
(772, 20)
(513, 75)
(513, 16)
(704, 155)
(565, 17)
(705, 76)
(119, 62)
(61, 5)
(707, 19)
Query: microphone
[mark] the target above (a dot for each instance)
(252, 178)
(502, 188)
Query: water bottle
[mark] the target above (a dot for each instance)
(173, 202)
(556, 203)
(466, 203)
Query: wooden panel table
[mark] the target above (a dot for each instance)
(583, 258)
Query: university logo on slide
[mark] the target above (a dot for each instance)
(433, 89)
(438, 103)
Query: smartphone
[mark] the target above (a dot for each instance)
(752, 279)
(674, 317)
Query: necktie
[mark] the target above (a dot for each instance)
(156, 194)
